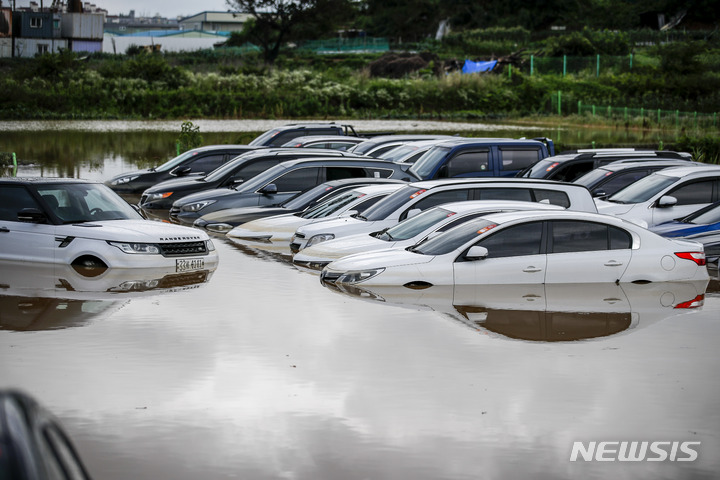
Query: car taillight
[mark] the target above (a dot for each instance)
(694, 303)
(697, 257)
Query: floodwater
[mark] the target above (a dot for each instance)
(257, 371)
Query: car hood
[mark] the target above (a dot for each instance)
(214, 194)
(610, 208)
(380, 259)
(270, 226)
(329, 226)
(130, 174)
(341, 247)
(169, 185)
(237, 216)
(136, 231)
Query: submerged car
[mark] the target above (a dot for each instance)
(418, 196)
(705, 220)
(665, 195)
(376, 146)
(198, 161)
(411, 231)
(223, 221)
(281, 228)
(87, 225)
(278, 136)
(529, 248)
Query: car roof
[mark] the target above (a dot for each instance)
(455, 142)
(428, 184)
(505, 217)
(42, 180)
(629, 154)
(206, 148)
(690, 171)
(469, 206)
(328, 138)
(652, 162)
(380, 188)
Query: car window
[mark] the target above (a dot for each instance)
(364, 205)
(284, 137)
(570, 171)
(460, 220)
(14, 198)
(323, 131)
(553, 197)
(206, 163)
(644, 189)
(466, 162)
(413, 226)
(579, 236)
(514, 241)
(337, 173)
(705, 216)
(435, 199)
(338, 145)
(297, 180)
(692, 193)
(429, 161)
(521, 194)
(518, 158)
(621, 180)
(250, 170)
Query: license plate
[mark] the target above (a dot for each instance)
(189, 264)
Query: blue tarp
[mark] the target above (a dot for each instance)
(476, 67)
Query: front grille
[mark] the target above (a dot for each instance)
(182, 249)
(174, 209)
(329, 277)
(183, 279)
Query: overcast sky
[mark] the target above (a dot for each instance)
(166, 8)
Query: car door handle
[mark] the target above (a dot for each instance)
(4, 230)
(531, 269)
(613, 263)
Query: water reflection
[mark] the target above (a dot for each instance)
(44, 297)
(547, 313)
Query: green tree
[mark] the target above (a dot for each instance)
(189, 137)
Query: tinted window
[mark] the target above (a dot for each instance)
(552, 196)
(693, 193)
(429, 161)
(337, 173)
(248, 171)
(523, 239)
(297, 180)
(14, 198)
(284, 137)
(466, 162)
(621, 180)
(435, 199)
(362, 206)
(570, 171)
(413, 226)
(521, 194)
(644, 189)
(517, 159)
(454, 238)
(578, 236)
(207, 163)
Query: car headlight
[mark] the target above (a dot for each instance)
(124, 180)
(148, 248)
(210, 246)
(219, 227)
(157, 196)
(197, 206)
(315, 239)
(359, 275)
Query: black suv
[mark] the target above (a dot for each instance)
(197, 161)
(570, 165)
(241, 169)
(281, 182)
(279, 136)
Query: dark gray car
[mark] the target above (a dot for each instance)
(281, 182)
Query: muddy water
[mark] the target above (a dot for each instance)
(257, 371)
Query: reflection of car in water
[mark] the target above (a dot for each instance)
(42, 297)
(558, 312)
(33, 444)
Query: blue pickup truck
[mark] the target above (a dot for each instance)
(480, 157)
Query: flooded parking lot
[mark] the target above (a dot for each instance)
(257, 371)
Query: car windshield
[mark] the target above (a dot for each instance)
(454, 238)
(415, 225)
(705, 216)
(540, 169)
(85, 202)
(332, 205)
(644, 189)
(224, 170)
(592, 177)
(395, 154)
(170, 164)
(265, 137)
(429, 161)
(392, 202)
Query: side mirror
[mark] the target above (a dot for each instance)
(31, 215)
(666, 201)
(476, 252)
(413, 212)
(269, 189)
(181, 171)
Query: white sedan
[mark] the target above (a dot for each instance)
(281, 228)
(87, 225)
(530, 248)
(410, 231)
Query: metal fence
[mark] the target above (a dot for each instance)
(346, 45)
